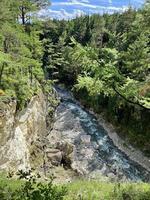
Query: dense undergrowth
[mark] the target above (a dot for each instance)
(95, 190)
(21, 51)
(32, 189)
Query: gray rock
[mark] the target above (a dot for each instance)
(65, 147)
(20, 131)
(67, 153)
(54, 156)
(86, 139)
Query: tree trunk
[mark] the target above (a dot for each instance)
(23, 15)
(1, 73)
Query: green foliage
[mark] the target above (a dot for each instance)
(31, 189)
(106, 58)
(133, 192)
(137, 58)
(21, 52)
(89, 190)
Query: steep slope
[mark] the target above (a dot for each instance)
(20, 132)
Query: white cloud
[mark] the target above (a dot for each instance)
(79, 1)
(84, 8)
(85, 1)
(63, 14)
(87, 5)
(59, 14)
(109, 10)
(82, 3)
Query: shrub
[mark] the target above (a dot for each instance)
(33, 190)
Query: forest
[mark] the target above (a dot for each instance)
(103, 59)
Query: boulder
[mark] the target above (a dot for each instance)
(54, 156)
(67, 153)
(65, 147)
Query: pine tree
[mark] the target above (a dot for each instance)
(138, 58)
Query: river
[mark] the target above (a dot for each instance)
(94, 151)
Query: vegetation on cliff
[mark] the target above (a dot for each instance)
(21, 50)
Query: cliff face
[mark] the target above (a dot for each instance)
(20, 133)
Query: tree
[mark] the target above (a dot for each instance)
(98, 29)
(7, 11)
(24, 8)
(20, 57)
(138, 58)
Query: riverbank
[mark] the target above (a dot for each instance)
(93, 152)
(134, 153)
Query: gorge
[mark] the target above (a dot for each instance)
(74, 101)
(76, 140)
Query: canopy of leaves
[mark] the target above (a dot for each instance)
(21, 51)
(107, 60)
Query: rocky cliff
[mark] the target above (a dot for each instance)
(25, 143)
(20, 133)
(76, 141)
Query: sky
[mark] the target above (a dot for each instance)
(68, 9)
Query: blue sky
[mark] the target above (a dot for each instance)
(66, 9)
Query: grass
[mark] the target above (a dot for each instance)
(93, 189)
(89, 190)
(14, 184)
